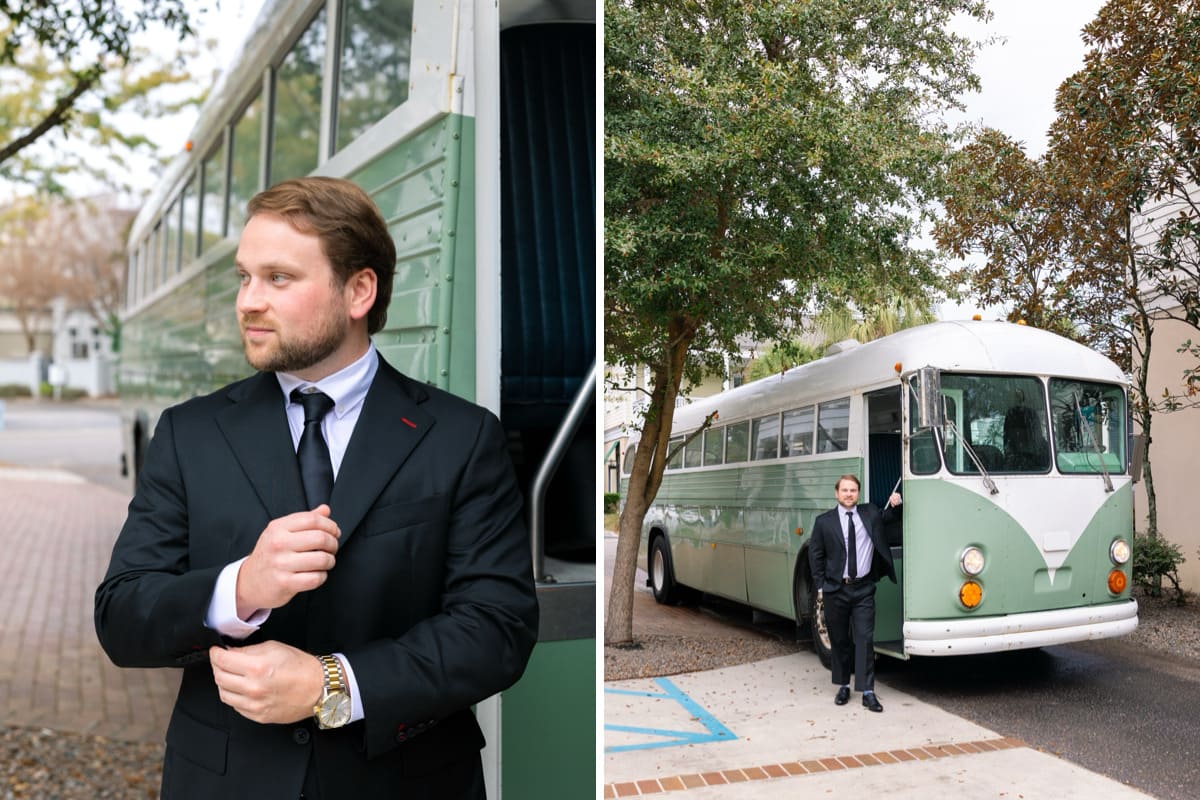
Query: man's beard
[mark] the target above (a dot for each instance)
(291, 355)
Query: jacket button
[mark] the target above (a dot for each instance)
(300, 735)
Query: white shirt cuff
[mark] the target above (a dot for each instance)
(356, 708)
(222, 615)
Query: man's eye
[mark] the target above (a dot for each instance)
(277, 278)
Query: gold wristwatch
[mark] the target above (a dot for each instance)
(333, 709)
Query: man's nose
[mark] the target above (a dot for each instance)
(251, 297)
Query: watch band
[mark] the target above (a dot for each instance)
(335, 679)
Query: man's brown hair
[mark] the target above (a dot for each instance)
(847, 477)
(348, 224)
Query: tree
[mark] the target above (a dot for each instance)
(760, 158)
(1004, 206)
(39, 264)
(68, 69)
(1129, 129)
(30, 265)
(93, 268)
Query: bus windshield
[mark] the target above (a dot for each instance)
(1002, 418)
(1089, 426)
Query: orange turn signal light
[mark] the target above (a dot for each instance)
(1117, 581)
(977, 317)
(970, 594)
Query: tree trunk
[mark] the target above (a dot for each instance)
(649, 461)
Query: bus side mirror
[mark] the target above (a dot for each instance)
(927, 409)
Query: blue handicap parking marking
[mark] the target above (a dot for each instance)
(713, 731)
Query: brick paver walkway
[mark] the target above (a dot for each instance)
(56, 536)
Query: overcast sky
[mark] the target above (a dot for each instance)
(1039, 47)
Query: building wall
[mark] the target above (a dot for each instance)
(1175, 442)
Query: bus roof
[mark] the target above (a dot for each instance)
(961, 346)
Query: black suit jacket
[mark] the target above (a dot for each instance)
(432, 599)
(827, 548)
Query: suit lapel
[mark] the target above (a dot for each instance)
(390, 426)
(256, 428)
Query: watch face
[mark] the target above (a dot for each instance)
(335, 710)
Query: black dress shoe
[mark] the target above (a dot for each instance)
(843, 696)
(871, 702)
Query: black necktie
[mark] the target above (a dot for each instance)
(316, 470)
(851, 546)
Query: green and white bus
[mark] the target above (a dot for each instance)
(472, 123)
(1008, 444)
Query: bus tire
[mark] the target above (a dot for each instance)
(820, 636)
(662, 574)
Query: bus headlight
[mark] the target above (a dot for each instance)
(1118, 551)
(971, 561)
(1116, 581)
(970, 594)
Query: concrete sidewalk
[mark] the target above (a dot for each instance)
(771, 730)
(57, 535)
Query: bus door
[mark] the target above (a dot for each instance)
(884, 454)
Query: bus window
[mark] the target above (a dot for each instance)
(923, 453)
(1089, 426)
(764, 435)
(191, 220)
(833, 426)
(170, 242)
(376, 48)
(676, 460)
(212, 212)
(1002, 417)
(246, 162)
(627, 464)
(295, 141)
(737, 442)
(691, 453)
(797, 432)
(714, 446)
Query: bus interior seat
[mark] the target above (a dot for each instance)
(989, 455)
(548, 265)
(1024, 446)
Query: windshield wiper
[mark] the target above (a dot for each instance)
(1108, 484)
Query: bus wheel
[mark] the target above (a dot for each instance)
(820, 635)
(662, 578)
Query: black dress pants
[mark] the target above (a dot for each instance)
(850, 619)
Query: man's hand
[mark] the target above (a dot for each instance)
(293, 555)
(895, 499)
(269, 682)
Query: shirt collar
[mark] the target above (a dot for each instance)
(347, 387)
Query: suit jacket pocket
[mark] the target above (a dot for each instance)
(407, 516)
(197, 741)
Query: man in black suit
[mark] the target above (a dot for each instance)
(848, 554)
(333, 552)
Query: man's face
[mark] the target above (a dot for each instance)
(847, 493)
(292, 315)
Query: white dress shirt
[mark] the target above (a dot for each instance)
(348, 389)
(864, 550)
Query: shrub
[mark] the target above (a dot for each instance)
(14, 390)
(1154, 558)
(611, 499)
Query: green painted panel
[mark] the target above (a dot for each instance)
(548, 724)
(889, 611)
(733, 530)
(941, 518)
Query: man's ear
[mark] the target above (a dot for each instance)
(360, 292)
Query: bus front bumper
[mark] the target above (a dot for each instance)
(1018, 631)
